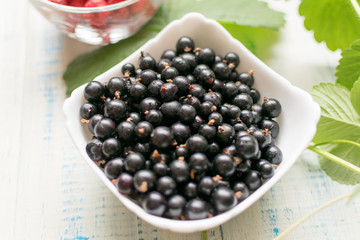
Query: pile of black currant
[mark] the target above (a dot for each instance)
(186, 137)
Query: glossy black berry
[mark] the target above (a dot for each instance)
(223, 199)
(263, 137)
(241, 191)
(198, 162)
(143, 130)
(205, 56)
(117, 87)
(128, 69)
(265, 168)
(215, 119)
(179, 170)
(176, 204)
(104, 128)
(196, 90)
(225, 134)
(181, 132)
(197, 143)
(246, 145)
(224, 165)
(232, 59)
(181, 65)
(229, 90)
(166, 185)
(148, 104)
(196, 209)
(273, 154)
(191, 100)
(126, 131)
(190, 190)
(170, 109)
(186, 113)
(154, 88)
(247, 78)
(154, 203)
(271, 125)
(208, 131)
(115, 109)
(124, 183)
(246, 117)
(243, 88)
(255, 95)
(155, 117)
(114, 167)
(271, 107)
(111, 147)
(184, 45)
(191, 59)
(183, 84)
(137, 91)
(162, 137)
(94, 149)
(93, 91)
(147, 62)
(168, 92)
(169, 73)
(206, 186)
(147, 76)
(206, 108)
(206, 77)
(168, 54)
(243, 101)
(134, 162)
(160, 169)
(213, 149)
(213, 97)
(253, 180)
(93, 121)
(87, 110)
(222, 71)
(198, 69)
(144, 180)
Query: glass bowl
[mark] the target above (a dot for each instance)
(99, 25)
(298, 119)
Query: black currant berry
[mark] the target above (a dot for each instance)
(154, 203)
(223, 199)
(184, 45)
(94, 149)
(162, 137)
(87, 110)
(114, 167)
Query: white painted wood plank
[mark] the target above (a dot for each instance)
(52, 194)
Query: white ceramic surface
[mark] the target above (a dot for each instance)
(298, 119)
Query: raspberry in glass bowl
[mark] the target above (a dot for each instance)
(98, 22)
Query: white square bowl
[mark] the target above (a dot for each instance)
(297, 121)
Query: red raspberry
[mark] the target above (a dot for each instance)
(120, 14)
(77, 3)
(63, 2)
(114, 1)
(140, 6)
(98, 19)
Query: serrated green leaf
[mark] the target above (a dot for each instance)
(339, 121)
(89, 65)
(256, 39)
(355, 95)
(348, 71)
(338, 173)
(334, 21)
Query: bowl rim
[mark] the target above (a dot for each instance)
(189, 226)
(72, 9)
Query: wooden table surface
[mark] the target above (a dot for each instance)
(49, 192)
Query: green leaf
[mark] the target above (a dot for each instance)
(89, 65)
(355, 96)
(256, 39)
(339, 121)
(336, 22)
(349, 68)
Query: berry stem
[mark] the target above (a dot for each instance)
(335, 159)
(300, 221)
